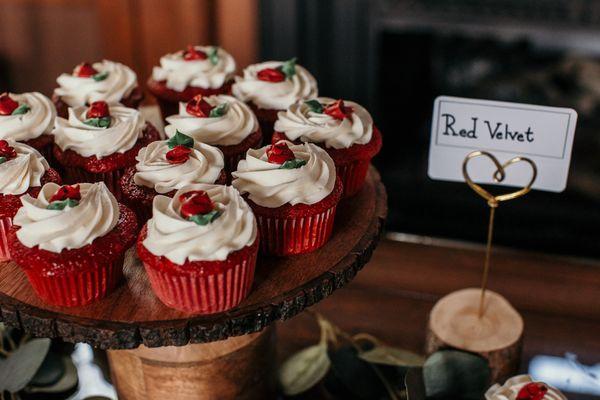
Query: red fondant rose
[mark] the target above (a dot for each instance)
(271, 75)
(67, 192)
(338, 110)
(195, 202)
(194, 54)
(198, 107)
(85, 70)
(532, 391)
(7, 105)
(178, 155)
(7, 151)
(98, 109)
(279, 153)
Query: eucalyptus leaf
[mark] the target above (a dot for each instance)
(456, 374)
(392, 356)
(66, 382)
(21, 365)
(304, 369)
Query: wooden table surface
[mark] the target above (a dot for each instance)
(390, 298)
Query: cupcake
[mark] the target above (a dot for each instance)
(70, 242)
(273, 86)
(199, 248)
(28, 118)
(222, 121)
(166, 166)
(107, 81)
(343, 128)
(99, 142)
(522, 387)
(293, 191)
(205, 70)
(23, 170)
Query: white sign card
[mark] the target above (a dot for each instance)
(542, 134)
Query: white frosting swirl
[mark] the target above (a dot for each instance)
(35, 122)
(511, 388)
(127, 125)
(180, 73)
(78, 91)
(270, 186)
(274, 95)
(204, 165)
(72, 227)
(299, 122)
(231, 128)
(24, 171)
(176, 238)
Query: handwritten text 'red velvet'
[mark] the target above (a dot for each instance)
(495, 130)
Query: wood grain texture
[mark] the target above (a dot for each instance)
(454, 322)
(241, 367)
(133, 315)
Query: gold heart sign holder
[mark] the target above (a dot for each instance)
(476, 319)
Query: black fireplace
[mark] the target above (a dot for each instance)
(396, 57)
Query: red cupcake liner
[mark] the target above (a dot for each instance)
(353, 176)
(219, 287)
(74, 175)
(76, 288)
(298, 235)
(5, 224)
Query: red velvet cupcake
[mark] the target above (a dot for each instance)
(293, 191)
(199, 248)
(344, 129)
(165, 166)
(107, 81)
(28, 118)
(204, 70)
(98, 143)
(71, 241)
(23, 170)
(222, 121)
(273, 86)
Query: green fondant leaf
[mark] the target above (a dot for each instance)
(61, 204)
(2, 160)
(100, 76)
(213, 55)
(293, 164)
(205, 219)
(314, 106)
(22, 109)
(289, 68)
(180, 139)
(219, 110)
(102, 122)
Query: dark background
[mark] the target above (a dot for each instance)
(396, 57)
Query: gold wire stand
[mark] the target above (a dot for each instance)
(493, 201)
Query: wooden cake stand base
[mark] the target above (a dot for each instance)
(227, 358)
(454, 322)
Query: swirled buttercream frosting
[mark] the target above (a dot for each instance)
(35, 118)
(523, 387)
(23, 171)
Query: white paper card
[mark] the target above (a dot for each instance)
(543, 134)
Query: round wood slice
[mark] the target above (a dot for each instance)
(133, 315)
(454, 323)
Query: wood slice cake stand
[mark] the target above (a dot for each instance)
(225, 355)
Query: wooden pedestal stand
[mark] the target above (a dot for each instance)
(227, 357)
(497, 336)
